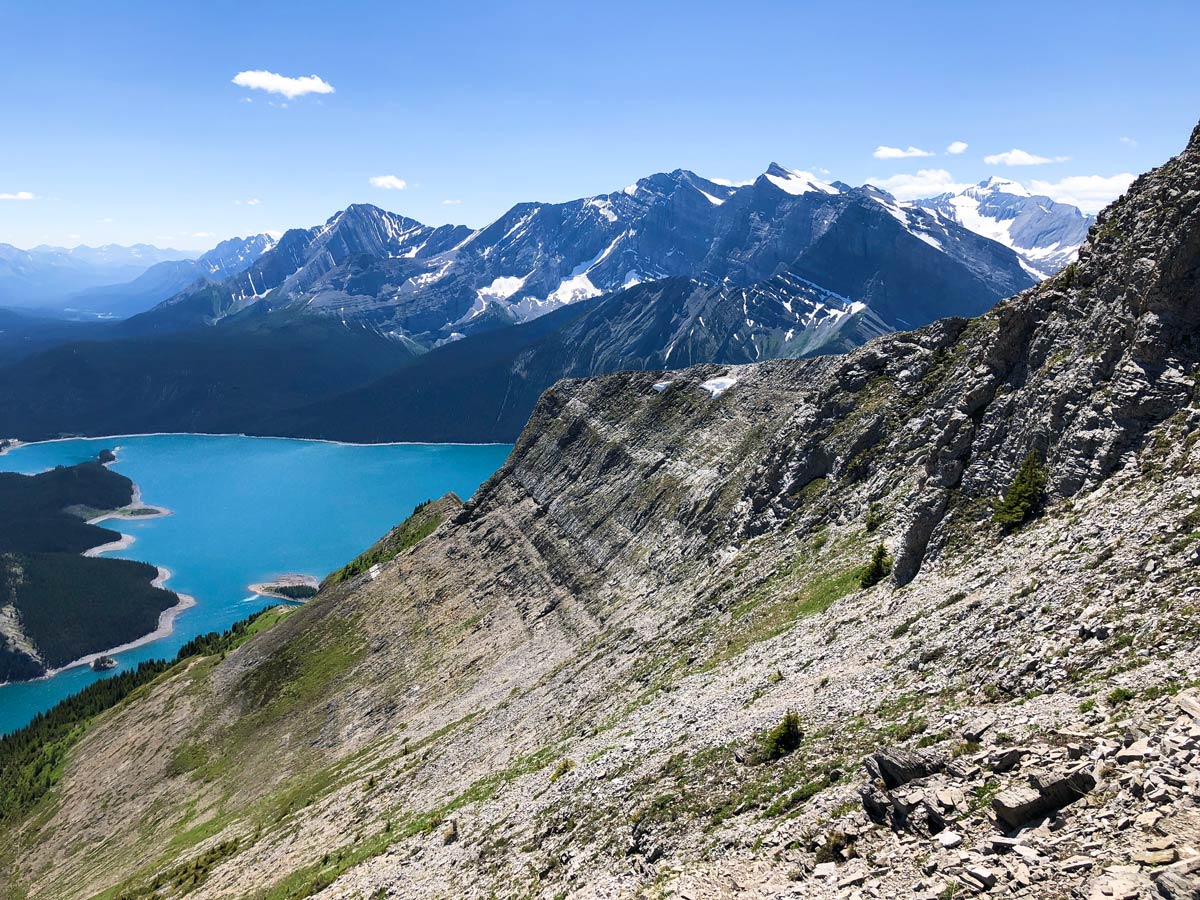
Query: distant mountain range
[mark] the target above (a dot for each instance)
(46, 276)
(426, 286)
(378, 327)
(166, 279)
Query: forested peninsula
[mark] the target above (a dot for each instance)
(57, 605)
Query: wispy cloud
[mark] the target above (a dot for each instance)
(957, 147)
(273, 83)
(20, 195)
(1090, 193)
(882, 152)
(451, 203)
(1129, 141)
(202, 234)
(925, 183)
(1016, 157)
(388, 182)
(253, 201)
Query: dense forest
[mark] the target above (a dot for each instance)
(66, 605)
(71, 606)
(45, 513)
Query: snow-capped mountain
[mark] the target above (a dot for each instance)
(428, 286)
(1044, 233)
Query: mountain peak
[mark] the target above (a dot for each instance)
(996, 184)
(796, 181)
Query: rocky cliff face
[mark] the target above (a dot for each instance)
(579, 684)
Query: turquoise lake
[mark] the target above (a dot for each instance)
(246, 510)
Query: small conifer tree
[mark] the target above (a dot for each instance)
(877, 569)
(783, 739)
(1024, 496)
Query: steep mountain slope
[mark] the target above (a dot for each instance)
(484, 387)
(1044, 233)
(46, 276)
(219, 379)
(166, 279)
(578, 685)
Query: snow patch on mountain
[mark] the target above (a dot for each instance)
(1046, 235)
(797, 182)
(503, 287)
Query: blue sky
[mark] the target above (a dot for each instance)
(123, 123)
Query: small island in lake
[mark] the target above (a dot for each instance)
(62, 603)
(103, 663)
(288, 587)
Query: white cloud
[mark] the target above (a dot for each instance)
(388, 182)
(202, 234)
(1017, 157)
(20, 195)
(272, 83)
(1129, 141)
(451, 203)
(882, 152)
(1090, 193)
(253, 201)
(957, 147)
(925, 183)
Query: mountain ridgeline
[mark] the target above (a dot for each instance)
(353, 315)
(917, 620)
(45, 276)
(430, 285)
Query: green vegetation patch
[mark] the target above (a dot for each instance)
(303, 668)
(782, 739)
(757, 620)
(1025, 496)
(877, 569)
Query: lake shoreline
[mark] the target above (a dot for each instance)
(264, 588)
(166, 625)
(243, 512)
(166, 618)
(255, 437)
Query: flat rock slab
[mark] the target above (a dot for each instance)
(1046, 794)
